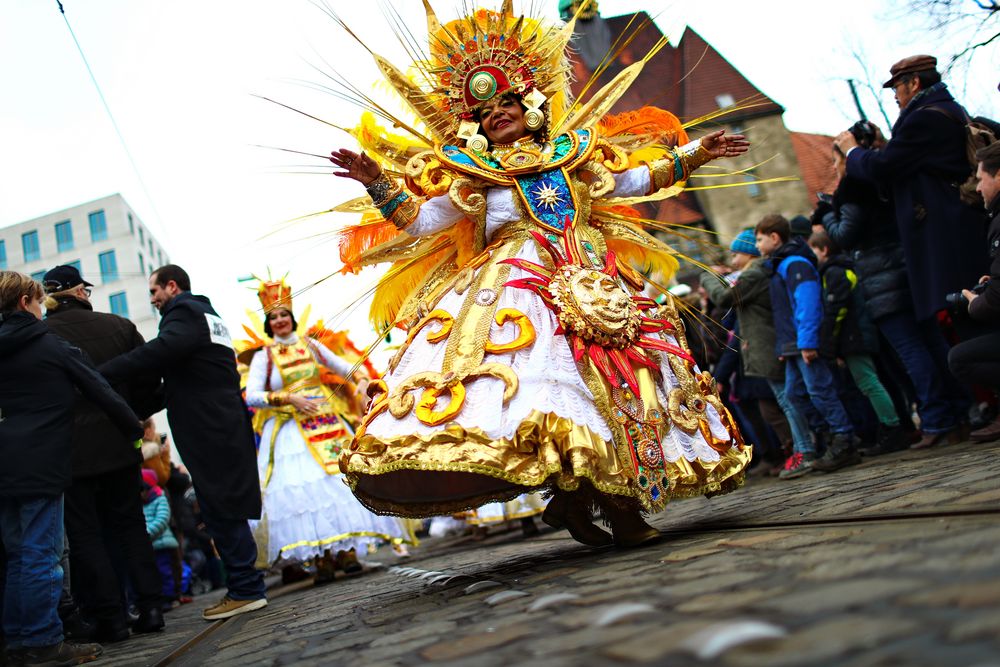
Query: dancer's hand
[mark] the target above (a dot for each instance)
(719, 144)
(308, 406)
(358, 166)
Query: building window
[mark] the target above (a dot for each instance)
(29, 243)
(119, 304)
(131, 225)
(109, 266)
(142, 238)
(753, 188)
(141, 262)
(159, 256)
(98, 226)
(3, 254)
(64, 236)
(150, 246)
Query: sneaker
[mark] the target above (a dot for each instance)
(59, 655)
(797, 465)
(229, 607)
(842, 452)
(890, 439)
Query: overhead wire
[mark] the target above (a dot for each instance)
(114, 124)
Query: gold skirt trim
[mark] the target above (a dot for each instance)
(458, 468)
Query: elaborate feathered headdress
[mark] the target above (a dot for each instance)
(274, 294)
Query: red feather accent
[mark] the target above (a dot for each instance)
(664, 346)
(640, 358)
(610, 265)
(600, 359)
(619, 359)
(579, 348)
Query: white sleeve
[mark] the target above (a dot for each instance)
(257, 380)
(435, 215)
(632, 183)
(330, 360)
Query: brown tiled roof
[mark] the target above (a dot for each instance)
(684, 79)
(815, 162)
(680, 210)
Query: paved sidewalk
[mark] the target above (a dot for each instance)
(893, 562)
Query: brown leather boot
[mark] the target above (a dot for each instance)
(627, 525)
(563, 512)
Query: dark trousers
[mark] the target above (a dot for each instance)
(924, 352)
(237, 549)
(977, 361)
(109, 504)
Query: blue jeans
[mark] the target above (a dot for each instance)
(32, 534)
(921, 347)
(802, 442)
(813, 383)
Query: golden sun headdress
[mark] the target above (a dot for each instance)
(488, 54)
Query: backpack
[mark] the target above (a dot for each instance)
(978, 135)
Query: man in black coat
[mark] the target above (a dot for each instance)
(977, 361)
(211, 426)
(104, 498)
(922, 167)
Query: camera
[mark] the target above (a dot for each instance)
(864, 133)
(957, 301)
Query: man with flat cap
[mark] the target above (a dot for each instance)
(921, 168)
(104, 498)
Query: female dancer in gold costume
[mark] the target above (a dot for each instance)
(533, 361)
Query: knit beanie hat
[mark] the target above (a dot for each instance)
(745, 243)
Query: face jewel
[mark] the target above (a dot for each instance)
(643, 481)
(654, 493)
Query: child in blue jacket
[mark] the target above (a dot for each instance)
(797, 303)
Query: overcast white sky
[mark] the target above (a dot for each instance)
(180, 78)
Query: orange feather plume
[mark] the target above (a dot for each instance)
(662, 125)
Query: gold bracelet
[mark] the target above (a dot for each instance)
(277, 397)
(382, 190)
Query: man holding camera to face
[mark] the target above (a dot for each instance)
(977, 361)
(922, 169)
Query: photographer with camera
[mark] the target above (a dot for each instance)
(863, 224)
(977, 361)
(922, 167)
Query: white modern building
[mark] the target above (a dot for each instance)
(106, 241)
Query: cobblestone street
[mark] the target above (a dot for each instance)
(893, 562)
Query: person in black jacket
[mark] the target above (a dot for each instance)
(850, 334)
(103, 498)
(978, 360)
(922, 166)
(210, 424)
(38, 385)
(863, 223)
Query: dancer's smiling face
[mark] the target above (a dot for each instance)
(502, 120)
(281, 322)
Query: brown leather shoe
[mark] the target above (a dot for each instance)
(988, 433)
(561, 512)
(628, 527)
(952, 437)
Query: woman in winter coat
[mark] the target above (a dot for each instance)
(38, 391)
